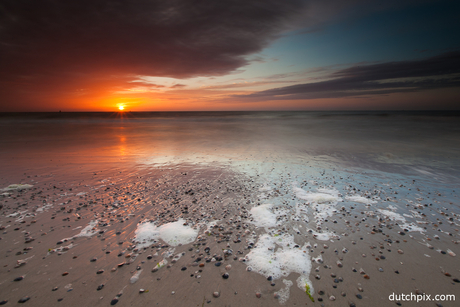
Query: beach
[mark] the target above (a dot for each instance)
(230, 209)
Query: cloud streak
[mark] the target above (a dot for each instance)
(442, 71)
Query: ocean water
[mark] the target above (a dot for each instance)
(285, 185)
(423, 144)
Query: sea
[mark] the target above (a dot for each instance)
(423, 143)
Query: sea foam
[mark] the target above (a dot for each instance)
(174, 233)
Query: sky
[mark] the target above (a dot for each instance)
(184, 55)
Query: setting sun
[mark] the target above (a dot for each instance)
(121, 108)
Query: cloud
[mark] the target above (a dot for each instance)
(53, 50)
(442, 71)
(58, 44)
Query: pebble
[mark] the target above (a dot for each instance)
(359, 296)
(100, 271)
(3, 302)
(114, 301)
(19, 278)
(24, 299)
(100, 287)
(366, 276)
(332, 298)
(225, 276)
(216, 294)
(258, 294)
(183, 268)
(65, 273)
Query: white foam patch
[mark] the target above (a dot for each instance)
(61, 249)
(392, 215)
(135, 277)
(401, 221)
(284, 293)
(323, 201)
(17, 214)
(174, 233)
(276, 256)
(360, 199)
(300, 213)
(44, 208)
(323, 236)
(89, 230)
(263, 217)
(17, 186)
(323, 195)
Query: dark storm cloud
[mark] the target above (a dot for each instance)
(54, 43)
(442, 71)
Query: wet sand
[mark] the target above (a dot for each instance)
(36, 220)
